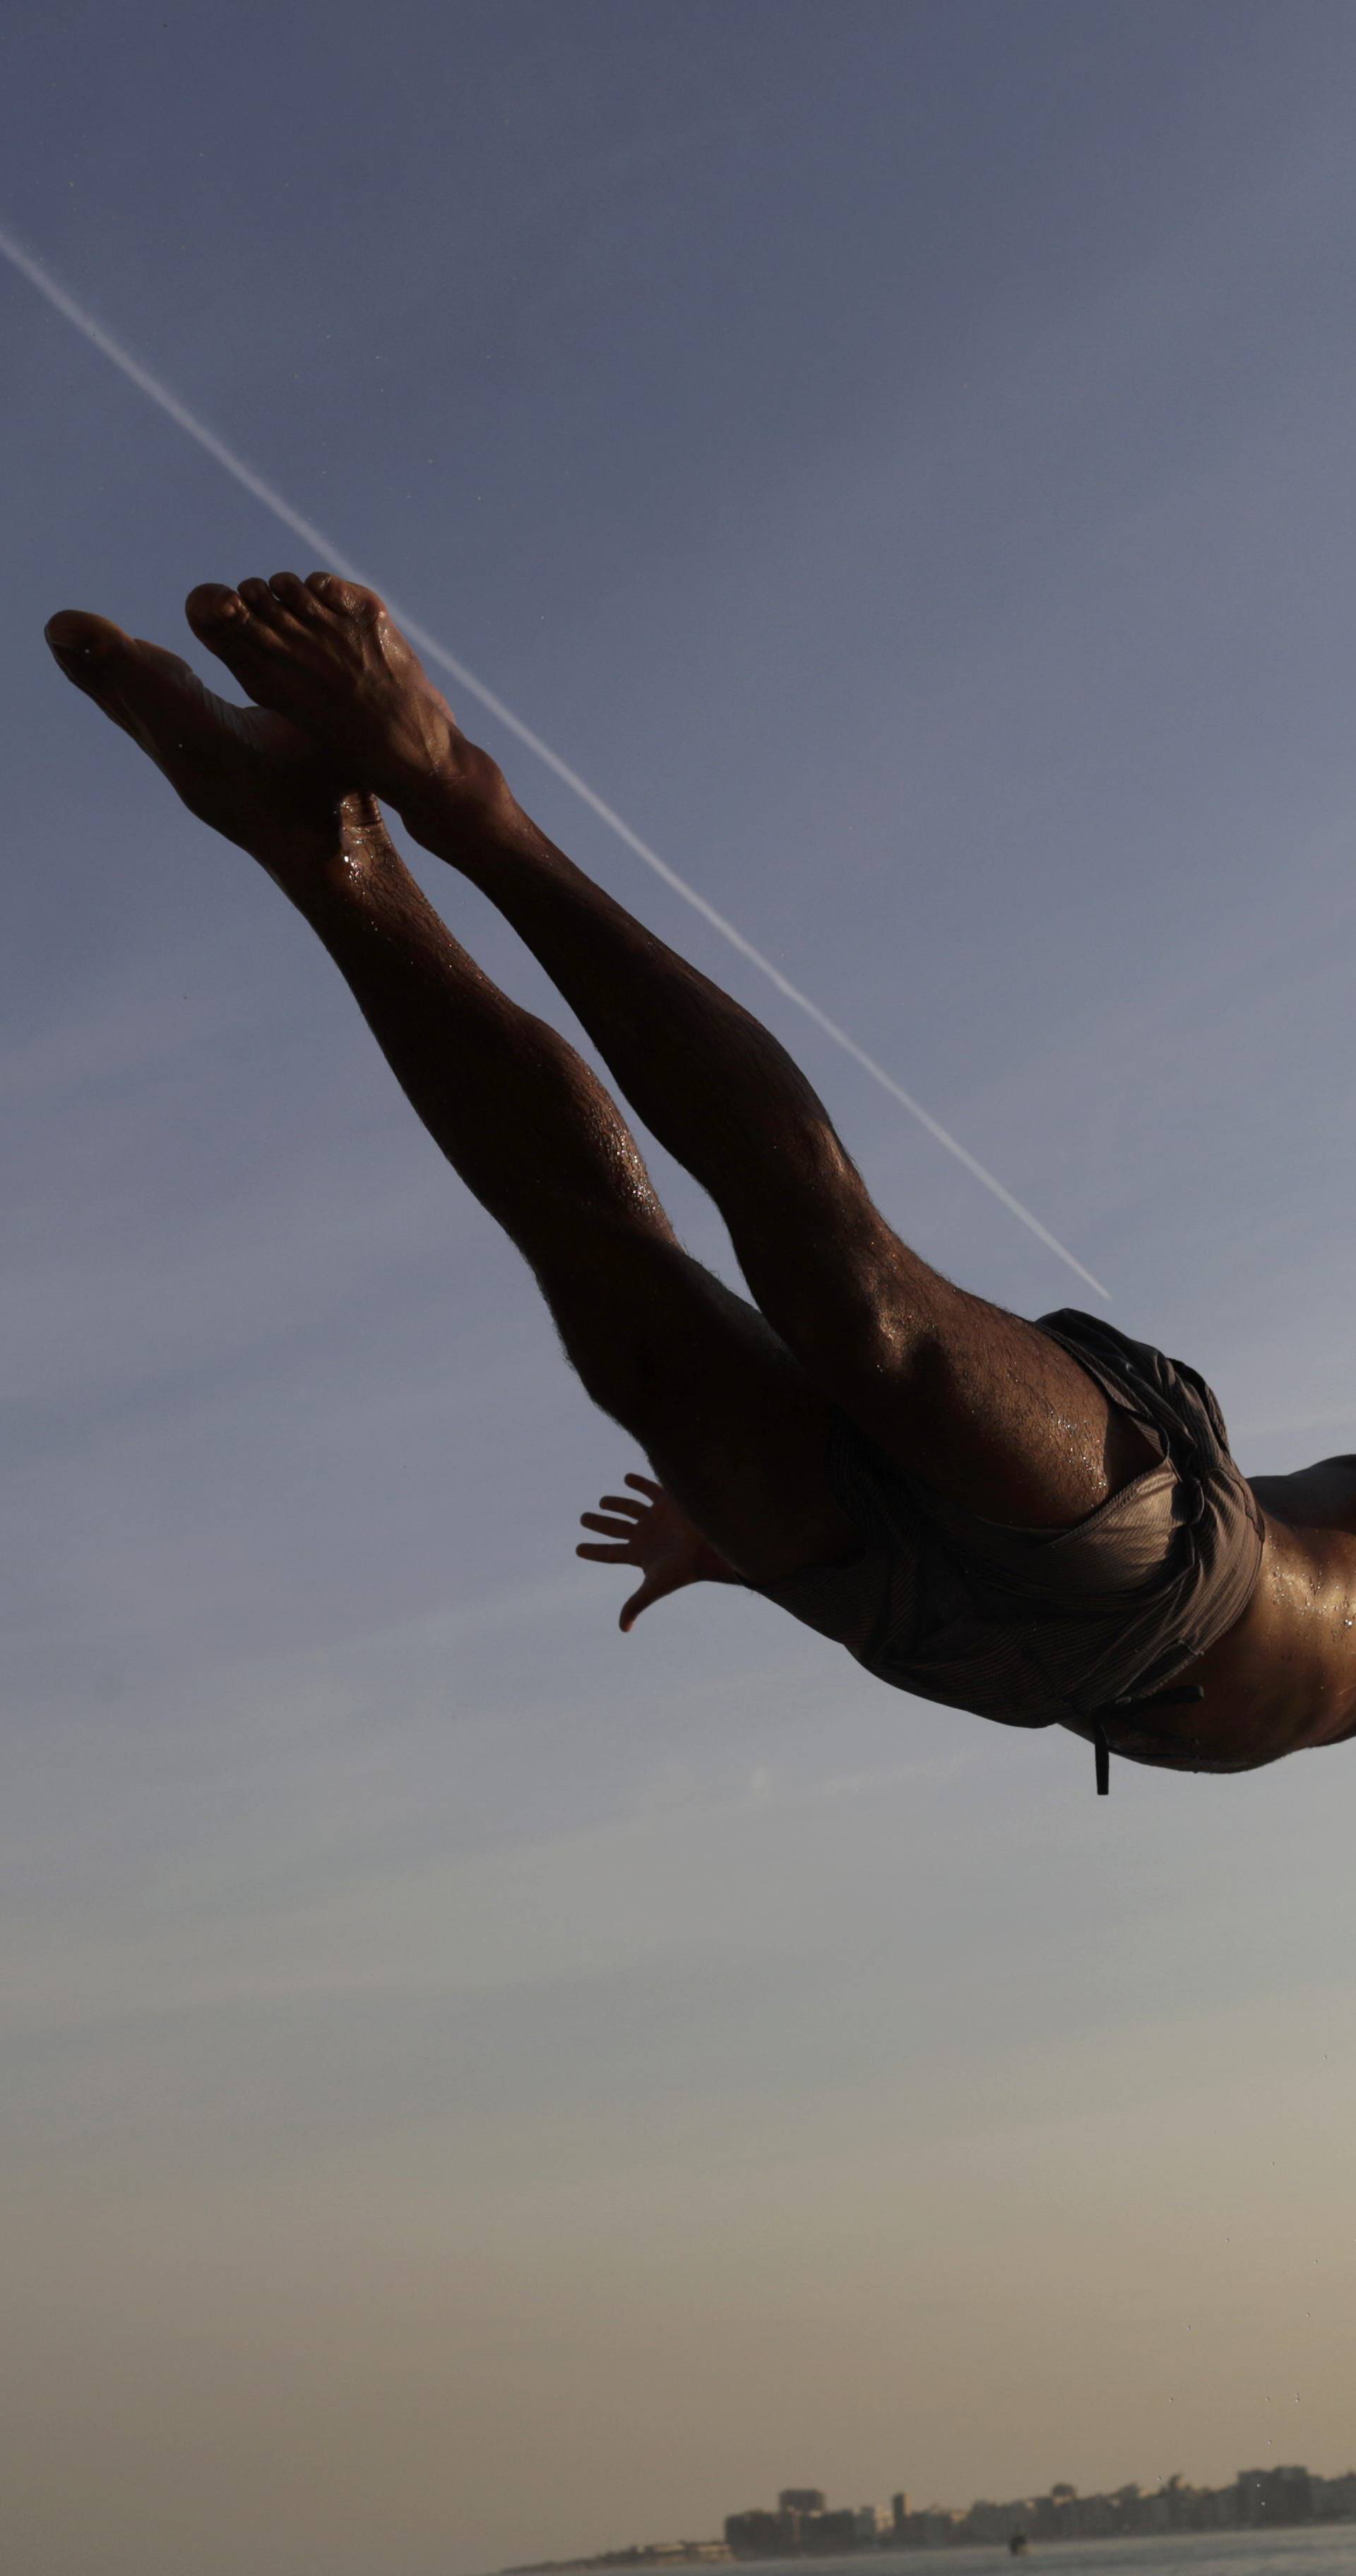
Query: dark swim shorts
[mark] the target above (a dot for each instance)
(1085, 1625)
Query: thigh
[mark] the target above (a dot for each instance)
(730, 1422)
(969, 1398)
(991, 1413)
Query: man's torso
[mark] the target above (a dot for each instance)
(1284, 1676)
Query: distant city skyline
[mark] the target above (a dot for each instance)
(805, 2525)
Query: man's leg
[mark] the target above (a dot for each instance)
(970, 1397)
(727, 1417)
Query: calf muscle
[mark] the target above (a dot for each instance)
(691, 1371)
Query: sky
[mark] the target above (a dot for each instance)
(477, 2086)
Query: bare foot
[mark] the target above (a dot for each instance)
(326, 653)
(252, 776)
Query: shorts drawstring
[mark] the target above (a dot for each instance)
(1126, 1708)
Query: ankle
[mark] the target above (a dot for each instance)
(462, 809)
(353, 849)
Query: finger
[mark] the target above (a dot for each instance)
(650, 1590)
(610, 1529)
(646, 1484)
(622, 1503)
(605, 1555)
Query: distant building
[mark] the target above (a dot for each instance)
(987, 2522)
(935, 2528)
(762, 2535)
(801, 2527)
(826, 2533)
(1274, 2496)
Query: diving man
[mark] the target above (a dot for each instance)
(1040, 1522)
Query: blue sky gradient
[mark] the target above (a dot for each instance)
(477, 2086)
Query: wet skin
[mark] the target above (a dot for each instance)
(1283, 1678)
(690, 1370)
(343, 713)
(246, 771)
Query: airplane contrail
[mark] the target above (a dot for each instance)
(330, 556)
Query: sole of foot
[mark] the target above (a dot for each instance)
(249, 773)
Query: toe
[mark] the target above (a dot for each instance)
(212, 607)
(331, 589)
(227, 624)
(79, 637)
(292, 591)
(347, 599)
(259, 599)
(232, 623)
(92, 652)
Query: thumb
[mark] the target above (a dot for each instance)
(652, 1589)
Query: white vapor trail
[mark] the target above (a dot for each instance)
(328, 554)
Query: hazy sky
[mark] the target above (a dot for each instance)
(477, 2086)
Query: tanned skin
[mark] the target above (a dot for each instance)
(731, 1401)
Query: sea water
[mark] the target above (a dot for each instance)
(1325, 2549)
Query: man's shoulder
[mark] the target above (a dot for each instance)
(1320, 1497)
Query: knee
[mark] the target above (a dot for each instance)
(847, 1299)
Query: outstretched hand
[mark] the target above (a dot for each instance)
(653, 1534)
